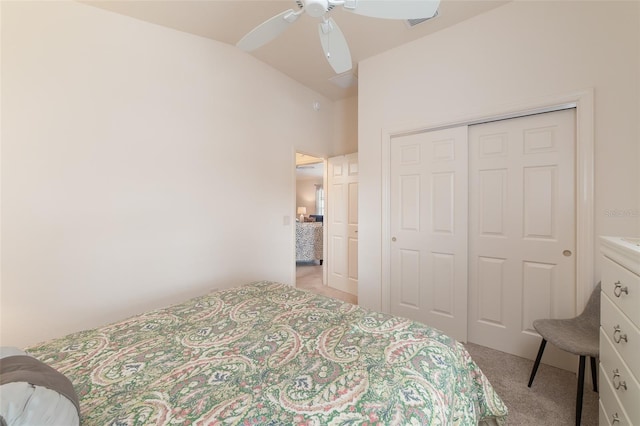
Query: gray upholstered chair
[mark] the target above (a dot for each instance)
(579, 336)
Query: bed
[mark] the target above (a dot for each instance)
(267, 353)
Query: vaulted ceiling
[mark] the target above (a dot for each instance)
(297, 52)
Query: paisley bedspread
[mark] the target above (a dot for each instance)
(266, 353)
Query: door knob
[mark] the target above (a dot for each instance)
(567, 253)
(393, 239)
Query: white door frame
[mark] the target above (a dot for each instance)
(583, 102)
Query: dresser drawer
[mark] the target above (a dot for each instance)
(603, 417)
(617, 374)
(623, 288)
(622, 333)
(610, 407)
(606, 419)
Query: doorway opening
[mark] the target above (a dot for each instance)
(309, 223)
(310, 234)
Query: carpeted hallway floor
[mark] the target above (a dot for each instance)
(309, 277)
(551, 399)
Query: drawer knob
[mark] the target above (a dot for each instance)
(618, 289)
(618, 383)
(615, 418)
(617, 334)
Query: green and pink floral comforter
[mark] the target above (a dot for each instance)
(269, 354)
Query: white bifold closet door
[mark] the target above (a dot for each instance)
(428, 218)
(521, 230)
(482, 228)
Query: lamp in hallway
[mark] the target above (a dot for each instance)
(302, 211)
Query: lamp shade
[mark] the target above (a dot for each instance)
(302, 210)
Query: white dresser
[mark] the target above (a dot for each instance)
(620, 332)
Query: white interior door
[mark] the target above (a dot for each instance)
(342, 226)
(521, 230)
(428, 218)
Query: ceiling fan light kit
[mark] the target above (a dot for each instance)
(316, 8)
(333, 42)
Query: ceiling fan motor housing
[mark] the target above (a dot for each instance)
(316, 8)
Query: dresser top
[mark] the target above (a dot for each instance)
(623, 250)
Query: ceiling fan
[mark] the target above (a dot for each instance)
(333, 42)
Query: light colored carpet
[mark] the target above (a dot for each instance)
(550, 400)
(309, 277)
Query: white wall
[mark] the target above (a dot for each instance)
(346, 127)
(306, 193)
(517, 53)
(133, 159)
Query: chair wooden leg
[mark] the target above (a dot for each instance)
(594, 374)
(580, 389)
(537, 363)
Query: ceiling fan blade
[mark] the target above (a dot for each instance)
(267, 31)
(393, 9)
(335, 46)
